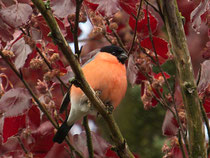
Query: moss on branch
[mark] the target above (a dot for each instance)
(174, 26)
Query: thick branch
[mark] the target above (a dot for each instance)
(185, 74)
(122, 148)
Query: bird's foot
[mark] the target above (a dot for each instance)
(109, 107)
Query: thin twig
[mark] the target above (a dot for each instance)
(69, 152)
(72, 148)
(160, 11)
(181, 144)
(22, 145)
(135, 30)
(76, 24)
(155, 9)
(88, 137)
(166, 81)
(107, 38)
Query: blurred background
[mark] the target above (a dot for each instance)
(142, 129)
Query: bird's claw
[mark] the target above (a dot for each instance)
(109, 107)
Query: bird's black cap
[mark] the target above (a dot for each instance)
(116, 51)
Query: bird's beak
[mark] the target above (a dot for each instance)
(123, 57)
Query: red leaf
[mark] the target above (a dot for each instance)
(161, 46)
(111, 154)
(21, 51)
(12, 125)
(129, 6)
(30, 57)
(69, 35)
(142, 27)
(34, 117)
(207, 105)
(195, 15)
(90, 5)
(176, 152)
(170, 125)
(15, 101)
(140, 78)
(42, 139)
(16, 15)
(106, 8)
(167, 76)
(42, 25)
(61, 67)
(63, 8)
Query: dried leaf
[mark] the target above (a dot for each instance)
(132, 70)
(15, 102)
(16, 15)
(204, 76)
(21, 51)
(170, 125)
(63, 8)
(195, 15)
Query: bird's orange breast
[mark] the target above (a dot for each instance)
(106, 74)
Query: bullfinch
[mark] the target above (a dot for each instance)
(106, 74)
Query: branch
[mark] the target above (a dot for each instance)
(185, 74)
(88, 137)
(22, 145)
(76, 24)
(123, 149)
(135, 30)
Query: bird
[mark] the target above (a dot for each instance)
(106, 74)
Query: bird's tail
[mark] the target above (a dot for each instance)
(62, 132)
